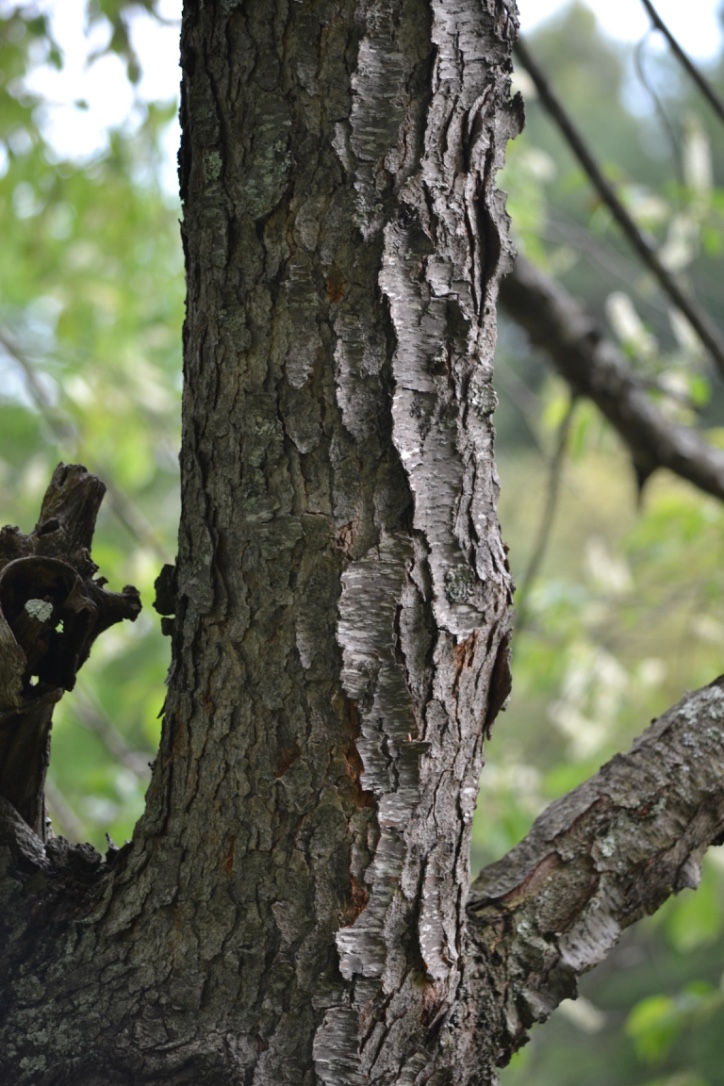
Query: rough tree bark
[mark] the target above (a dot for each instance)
(295, 906)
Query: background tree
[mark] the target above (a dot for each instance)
(294, 411)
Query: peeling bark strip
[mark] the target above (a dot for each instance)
(600, 858)
(52, 608)
(425, 170)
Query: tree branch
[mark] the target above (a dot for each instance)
(129, 515)
(545, 527)
(594, 367)
(52, 608)
(703, 84)
(600, 858)
(700, 321)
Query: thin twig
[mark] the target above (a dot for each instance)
(129, 515)
(90, 715)
(59, 427)
(699, 320)
(60, 810)
(660, 113)
(546, 522)
(703, 84)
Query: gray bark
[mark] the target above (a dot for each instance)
(294, 907)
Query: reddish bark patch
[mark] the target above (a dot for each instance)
(465, 651)
(336, 288)
(591, 823)
(356, 903)
(346, 537)
(178, 742)
(287, 757)
(431, 1004)
(464, 654)
(355, 768)
(533, 882)
(229, 857)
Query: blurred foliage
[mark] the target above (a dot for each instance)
(91, 307)
(626, 612)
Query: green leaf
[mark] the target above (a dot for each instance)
(653, 1026)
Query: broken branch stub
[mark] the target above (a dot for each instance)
(52, 608)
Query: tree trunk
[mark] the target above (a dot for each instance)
(294, 907)
(342, 629)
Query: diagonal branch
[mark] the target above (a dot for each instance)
(545, 527)
(594, 367)
(700, 321)
(703, 84)
(129, 515)
(600, 858)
